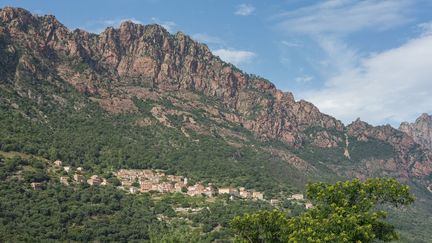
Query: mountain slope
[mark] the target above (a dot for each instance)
(158, 79)
(124, 62)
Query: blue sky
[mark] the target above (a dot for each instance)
(368, 59)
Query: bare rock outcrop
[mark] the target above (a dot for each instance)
(420, 130)
(411, 160)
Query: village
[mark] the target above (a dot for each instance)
(149, 180)
(146, 180)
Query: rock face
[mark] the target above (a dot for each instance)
(411, 158)
(109, 64)
(144, 63)
(420, 130)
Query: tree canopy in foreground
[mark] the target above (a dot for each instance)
(349, 211)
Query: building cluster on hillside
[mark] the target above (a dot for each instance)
(200, 189)
(242, 193)
(78, 177)
(149, 180)
(135, 180)
(299, 197)
(146, 180)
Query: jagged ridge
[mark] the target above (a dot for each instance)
(148, 56)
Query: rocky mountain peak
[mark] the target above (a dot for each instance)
(21, 15)
(425, 117)
(358, 125)
(420, 130)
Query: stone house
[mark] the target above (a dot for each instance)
(147, 186)
(274, 201)
(104, 182)
(165, 187)
(244, 193)
(37, 186)
(179, 186)
(308, 205)
(174, 178)
(258, 195)
(126, 182)
(196, 189)
(64, 180)
(133, 189)
(209, 191)
(154, 179)
(228, 190)
(58, 163)
(94, 180)
(78, 178)
(296, 197)
(67, 169)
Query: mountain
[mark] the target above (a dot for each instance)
(120, 68)
(140, 97)
(123, 63)
(420, 130)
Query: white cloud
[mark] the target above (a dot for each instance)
(291, 43)
(326, 25)
(208, 39)
(337, 56)
(244, 9)
(168, 25)
(345, 16)
(234, 56)
(388, 87)
(385, 87)
(303, 79)
(426, 28)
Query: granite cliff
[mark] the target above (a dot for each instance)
(420, 130)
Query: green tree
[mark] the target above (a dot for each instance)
(177, 234)
(53, 153)
(135, 184)
(343, 212)
(265, 226)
